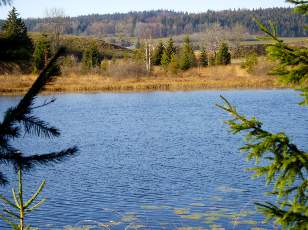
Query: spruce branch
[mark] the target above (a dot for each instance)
(29, 162)
(286, 168)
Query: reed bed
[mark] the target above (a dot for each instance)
(216, 77)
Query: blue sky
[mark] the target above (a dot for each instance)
(37, 8)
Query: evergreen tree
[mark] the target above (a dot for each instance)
(158, 53)
(15, 44)
(170, 48)
(14, 28)
(212, 59)
(284, 165)
(204, 61)
(223, 56)
(187, 56)
(168, 52)
(165, 60)
(42, 53)
(91, 56)
(173, 66)
(18, 122)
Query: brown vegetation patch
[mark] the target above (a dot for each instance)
(216, 77)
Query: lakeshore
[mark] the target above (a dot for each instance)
(216, 77)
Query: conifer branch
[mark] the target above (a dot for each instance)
(286, 168)
(28, 162)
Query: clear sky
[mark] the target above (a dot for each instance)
(37, 8)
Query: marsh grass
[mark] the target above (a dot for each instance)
(215, 77)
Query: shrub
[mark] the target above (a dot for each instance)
(212, 59)
(250, 62)
(104, 65)
(122, 70)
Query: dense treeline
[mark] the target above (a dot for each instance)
(163, 23)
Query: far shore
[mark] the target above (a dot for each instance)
(211, 78)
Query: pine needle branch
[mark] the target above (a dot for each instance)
(286, 168)
(20, 112)
(35, 126)
(28, 162)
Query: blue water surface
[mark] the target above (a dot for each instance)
(159, 160)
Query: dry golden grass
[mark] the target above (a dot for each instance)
(216, 77)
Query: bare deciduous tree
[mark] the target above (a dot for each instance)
(55, 23)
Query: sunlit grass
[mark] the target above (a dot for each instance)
(217, 77)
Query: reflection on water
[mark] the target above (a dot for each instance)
(155, 160)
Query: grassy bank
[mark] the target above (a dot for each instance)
(216, 77)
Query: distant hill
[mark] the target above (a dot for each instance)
(162, 23)
(77, 44)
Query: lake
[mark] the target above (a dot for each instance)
(161, 160)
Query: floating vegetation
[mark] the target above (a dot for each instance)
(76, 228)
(249, 222)
(211, 219)
(198, 204)
(109, 224)
(198, 198)
(190, 228)
(129, 218)
(193, 216)
(215, 214)
(243, 213)
(135, 226)
(216, 227)
(216, 198)
(181, 211)
(227, 189)
(222, 210)
(243, 222)
(154, 207)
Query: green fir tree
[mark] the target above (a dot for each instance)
(17, 122)
(42, 53)
(187, 57)
(15, 43)
(158, 53)
(91, 57)
(14, 28)
(204, 61)
(173, 66)
(165, 59)
(169, 51)
(223, 56)
(278, 160)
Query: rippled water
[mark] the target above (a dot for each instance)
(154, 160)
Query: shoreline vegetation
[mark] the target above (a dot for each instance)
(209, 78)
